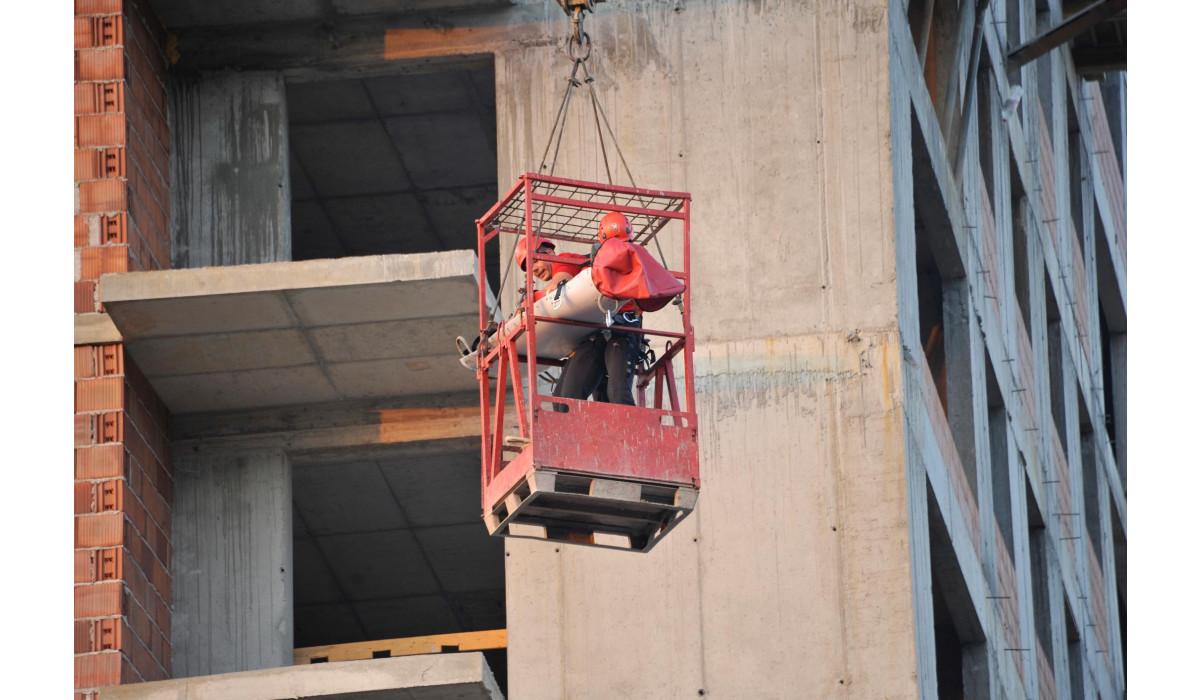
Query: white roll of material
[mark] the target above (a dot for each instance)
(579, 300)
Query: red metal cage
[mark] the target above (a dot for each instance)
(602, 474)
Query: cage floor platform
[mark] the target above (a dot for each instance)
(560, 506)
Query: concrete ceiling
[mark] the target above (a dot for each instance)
(277, 334)
(187, 14)
(394, 547)
(396, 164)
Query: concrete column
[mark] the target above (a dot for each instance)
(229, 157)
(232, 563)
(916, 479)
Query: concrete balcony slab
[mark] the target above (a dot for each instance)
(462, 676)
(288, 333)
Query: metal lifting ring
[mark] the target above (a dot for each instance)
(584, 42)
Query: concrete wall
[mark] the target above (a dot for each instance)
(231, 197)
(792, 579)
(232, 561)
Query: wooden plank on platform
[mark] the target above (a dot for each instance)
(404, 646)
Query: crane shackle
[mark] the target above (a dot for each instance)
(575, 10)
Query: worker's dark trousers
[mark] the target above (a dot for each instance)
(594, 357)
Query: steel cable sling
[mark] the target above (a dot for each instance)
(578, 47)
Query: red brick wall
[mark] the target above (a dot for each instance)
(123, 485)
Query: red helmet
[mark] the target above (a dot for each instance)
(614, 225)
(539, 244)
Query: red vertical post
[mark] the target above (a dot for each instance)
(530, 331)
(690, 333)
(480, 372)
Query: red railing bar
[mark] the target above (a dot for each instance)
(599, 187)
(615, 329)
(657, 411)
(512, 191)
(608, 206)
(510, 338)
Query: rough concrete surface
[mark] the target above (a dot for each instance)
(792, 579)
(463, 676)
(231, 200)
(231, 563)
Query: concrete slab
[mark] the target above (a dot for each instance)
(384, 339)
(400, 377)
(94, 328)
(289, 333)
(464, 676)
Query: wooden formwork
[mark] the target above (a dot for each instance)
(561, 506)
(482, 640)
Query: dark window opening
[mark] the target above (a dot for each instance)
(960, 646)
(986, 96)
(999, 451)
(1109, 381)
(1074, 653)
(1040, 549)
(1055, 341)
(937, 260)
(1089, 457)
(1021, 234)
(929, 302)
(391, 545)
(943, 308)
(401, 163)
(1045, 76)
(1119, 557)
(934, 27)
(1112, 356)
(1013, 9)
(1076, 181)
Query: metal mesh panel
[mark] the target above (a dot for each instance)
(569, 222)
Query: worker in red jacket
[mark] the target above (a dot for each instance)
(603, 363)
(553, 274)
